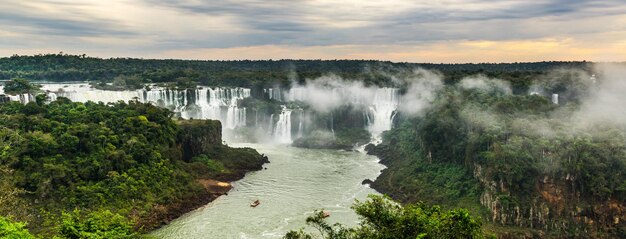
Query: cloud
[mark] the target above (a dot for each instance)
(422, 87)
(42, 20)
(402, 30)
(605, 104)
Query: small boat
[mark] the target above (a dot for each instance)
(255, 203)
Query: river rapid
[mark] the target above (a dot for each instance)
(295, 183)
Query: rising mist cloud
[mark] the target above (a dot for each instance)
(422, 87)
(485, 84)
(606, 102)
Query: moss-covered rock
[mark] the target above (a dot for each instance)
(198, 137)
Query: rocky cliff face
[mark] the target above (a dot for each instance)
(554, 208)
(204, 137)
(198, 137)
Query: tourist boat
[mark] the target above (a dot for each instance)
(255, 203)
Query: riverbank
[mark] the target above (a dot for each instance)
(161, 215)
(296, 183)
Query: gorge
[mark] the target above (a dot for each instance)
(509, 154)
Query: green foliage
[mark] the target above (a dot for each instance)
(96, 225)
(185, 83)
(383, 218)
(13, 230)
(212, 165)
(124, 157)
(246, 73)
(123, 82)
(11, 202)
(20, 86)
(521, 148)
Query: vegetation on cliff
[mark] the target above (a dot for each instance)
(123, 166)
(20, 86)
(528, 162)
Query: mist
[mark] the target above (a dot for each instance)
(422, 88)
(606, 98)
(483, 83)
(329, 92)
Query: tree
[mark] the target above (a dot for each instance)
(13, 230)
(96, 225)
(20, 86)
(382, 218)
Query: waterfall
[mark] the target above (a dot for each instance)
(22, 98)
(270, 127)
(274, 94)
(555, 99)
(332, 123)
(382, 111)
(297, 93)
(208, 103)
(300, 123)
(52, 96)
(282, 131)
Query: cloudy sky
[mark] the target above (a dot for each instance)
(396, 30)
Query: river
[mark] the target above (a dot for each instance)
(295, 183)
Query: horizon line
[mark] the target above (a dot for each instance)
(305, 59)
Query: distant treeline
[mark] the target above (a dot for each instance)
(249, 73)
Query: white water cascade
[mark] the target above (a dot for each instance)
(382, 111)
(555, 99)
(380, 103)
(212, 102)
(201, 103)
(300, 127)
(282, 131)
(22, 98)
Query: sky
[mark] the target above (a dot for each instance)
(440, 31)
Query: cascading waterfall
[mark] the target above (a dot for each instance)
(22, 98)
(52, 96)
(332, 123)
(555, 99)
(270, 126)
(382, 111)
(209, 103)
(26, 97)
(300, 127)
(274, 94)
(379, 104)
(282, 131)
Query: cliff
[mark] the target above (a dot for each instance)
(204, 138)
(198, 137)
(554, 208)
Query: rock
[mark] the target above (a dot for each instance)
(198, 137)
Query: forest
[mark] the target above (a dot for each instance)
(92, 170)
(527, 165)
(248, 73)
(491, 141)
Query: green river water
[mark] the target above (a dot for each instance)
(295, 183)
